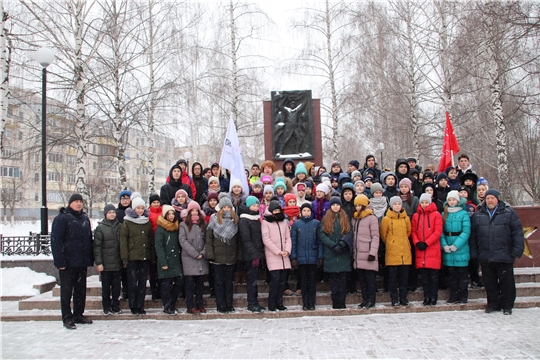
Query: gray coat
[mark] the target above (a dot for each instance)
(193, 245)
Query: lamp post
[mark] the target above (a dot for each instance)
(44, 57)
(381, 148)
(187, 156)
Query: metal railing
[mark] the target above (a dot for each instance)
(33, 244)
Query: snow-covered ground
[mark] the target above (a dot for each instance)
(19, 281)
(437, 335)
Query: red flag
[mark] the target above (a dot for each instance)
(450, 146)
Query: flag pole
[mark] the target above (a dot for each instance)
(452, 155)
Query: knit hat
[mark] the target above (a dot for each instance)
(165, 209)
(335, 163)
(428, 185)
(136, 202)
(428, 174)
(300, 168)
(288, 197)
(306, 205)
(212, 179)
(335, 200)
(442, 175)
(75, 197)
(356, 173)
(300, 186)
(495, 193)
(376, 187)
(236, 182)
(323, 188)
(425, 197)
(368, 178)
(181, 191)
(225, 201)
(309, 184)
(347, 185)
(135, 195)
(482, 181)
(448, 169)
(194, 205)
(154, 197)
(266, 178)
(258, 183)
(268, 188)
(251, 200)
(124, 192)
(355, 163)
(280, 183)
(361, 200)
(395, 199)
(214, 165)
(274, 205)
(411, 159)
(406, 181)
(212, 195)
(453, 194)
(108, 208)
(359, 181)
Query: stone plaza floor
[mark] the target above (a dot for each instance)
(436, 335)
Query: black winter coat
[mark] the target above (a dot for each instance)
(249, 228)
(71, 239)
(168, 191)
(107, 245)
(121, 212)
(496, 239)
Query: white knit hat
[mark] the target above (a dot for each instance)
(138, 201)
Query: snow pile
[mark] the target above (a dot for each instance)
(19, 281)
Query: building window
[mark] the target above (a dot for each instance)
(56, 158)
(9, 171)
(55, 176)
(36, 197)
(71, 178)
(55, 196)
(36, 177)
(11, 153)
(71, 160)
(36, 157)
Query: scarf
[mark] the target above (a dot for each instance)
(291, 211)
(379, 206)
(176, 205)
(194, 219)
(363, 214)
(166, 224)
(320, 205)
(226, 230)
(454, 209)
(132, 216)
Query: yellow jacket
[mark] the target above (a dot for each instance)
(395, 232)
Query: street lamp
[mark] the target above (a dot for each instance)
(44, 57)
(381, 148)
(187, 156)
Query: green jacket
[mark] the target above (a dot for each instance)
(107, 245)
(168, 249)
(136, 242)
(334, 262)
(219, 252)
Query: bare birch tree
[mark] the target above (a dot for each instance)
(5, 58)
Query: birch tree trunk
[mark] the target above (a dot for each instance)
(234, 58)
(5, 58)
(152, 109)
(413, 84)
(331, 77)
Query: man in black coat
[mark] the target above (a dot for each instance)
(496, 241)
(71, 245)
(174, 183)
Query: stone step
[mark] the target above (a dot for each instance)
(156, 313)
(47, 301)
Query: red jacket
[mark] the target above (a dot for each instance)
(427, 226)
(186, 179)
(153, 215)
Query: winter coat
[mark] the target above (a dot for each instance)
(193, 244)
(71, 239)
(497, 238)
(427, 227)
(276, 238)
(107, 245)
(201, 184)
(334, 262)
(136, 242)
(153, 215)
(365, 240)
(219, 252)
(168, 249)
(458, 222)
(411, 209)
(441, 193)
(315, 206)
(121, 212)
(395, 232)
(168, 191)
(288, 174)
(307, 247)
(250, 234)
(187, 180)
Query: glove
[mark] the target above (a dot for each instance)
(255, 263)
(294, 263)
(337, 249)
(371, 258)
(320, 263)
(446, 249)
(421, 245)
(343, 245)
(453, 248)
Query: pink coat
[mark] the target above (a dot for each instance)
(365, 241)
(276, 238)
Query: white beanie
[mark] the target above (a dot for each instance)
(323, 187)
(138, 201)
(425, 197)
(236, 182)
(453, 194)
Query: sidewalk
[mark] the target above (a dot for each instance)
(441, 335)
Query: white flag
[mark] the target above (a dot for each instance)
(231, 157)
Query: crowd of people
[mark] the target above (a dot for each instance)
(343, 226)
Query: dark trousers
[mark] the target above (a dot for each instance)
(124, 282)
(110, 283)
(252, 273)
(223, 282)
(413, 273)
(194, 288)
(308, 274)
(170, 290)
(154, 281)
(72, 284)
(137, 272)
(474, 266)
(430, 283)
(352, 279)
(338, 287)
(398, 278)
(458, 283)
(211, 280)
(368, 285)
(277, 287)
(500, 285)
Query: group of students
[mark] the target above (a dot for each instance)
(300, 218)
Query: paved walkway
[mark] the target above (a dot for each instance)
(441, 335)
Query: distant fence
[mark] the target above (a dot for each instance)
(33, 244)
